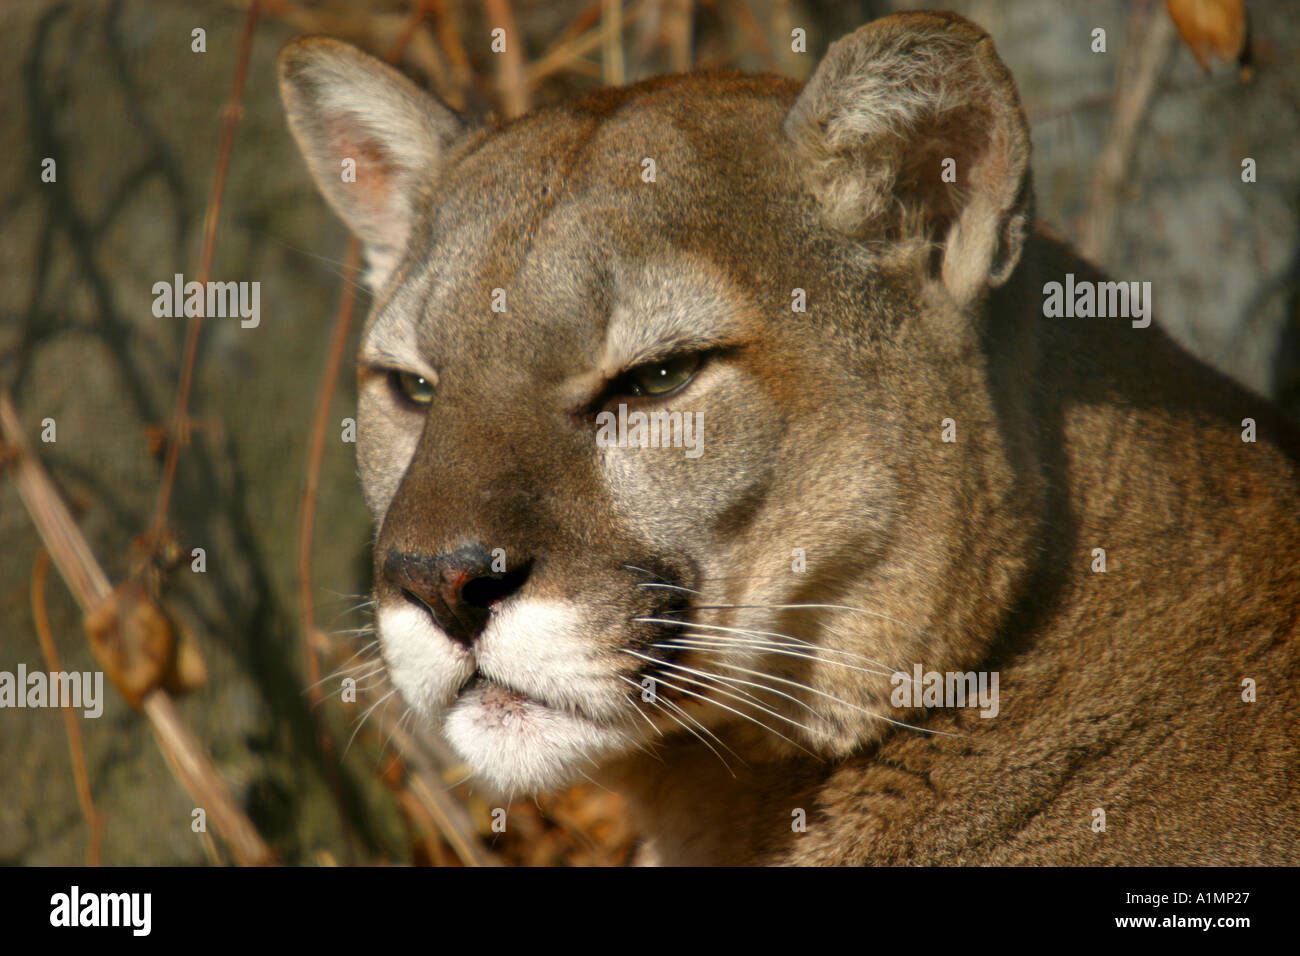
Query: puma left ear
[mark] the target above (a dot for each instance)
(911, 128)
(373, 140)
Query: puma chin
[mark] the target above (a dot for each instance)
(895, 462)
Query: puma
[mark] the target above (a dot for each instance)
(906, 468)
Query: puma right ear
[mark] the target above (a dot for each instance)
(344, 105)
(894, 106)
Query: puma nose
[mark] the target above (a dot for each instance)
(458, 588)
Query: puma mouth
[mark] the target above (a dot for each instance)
(491, 693)
(497, 699)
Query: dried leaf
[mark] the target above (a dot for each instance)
(132, 641)
(1211, 28)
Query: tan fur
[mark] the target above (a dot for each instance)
(1120, 691)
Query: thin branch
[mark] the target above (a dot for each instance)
(312, 640)
(232, 112)
(59, 532)
(611, 58)
(453, 48)
(1153, 41)
(94, 822)
(512, 83)
(195, 772)
(418, 9)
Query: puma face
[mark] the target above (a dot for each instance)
(785, 272)
(523, 585)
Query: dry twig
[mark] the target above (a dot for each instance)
(512, 83)
(94, 822)
(1153, 35)
(232, 113)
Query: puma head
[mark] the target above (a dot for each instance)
(788, 269)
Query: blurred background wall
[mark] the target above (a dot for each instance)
(1138, 159)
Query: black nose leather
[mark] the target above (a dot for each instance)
(458, 588)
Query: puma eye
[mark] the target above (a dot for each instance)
(411, 387)
(660, 378)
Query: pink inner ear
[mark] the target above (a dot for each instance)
(375, 170)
